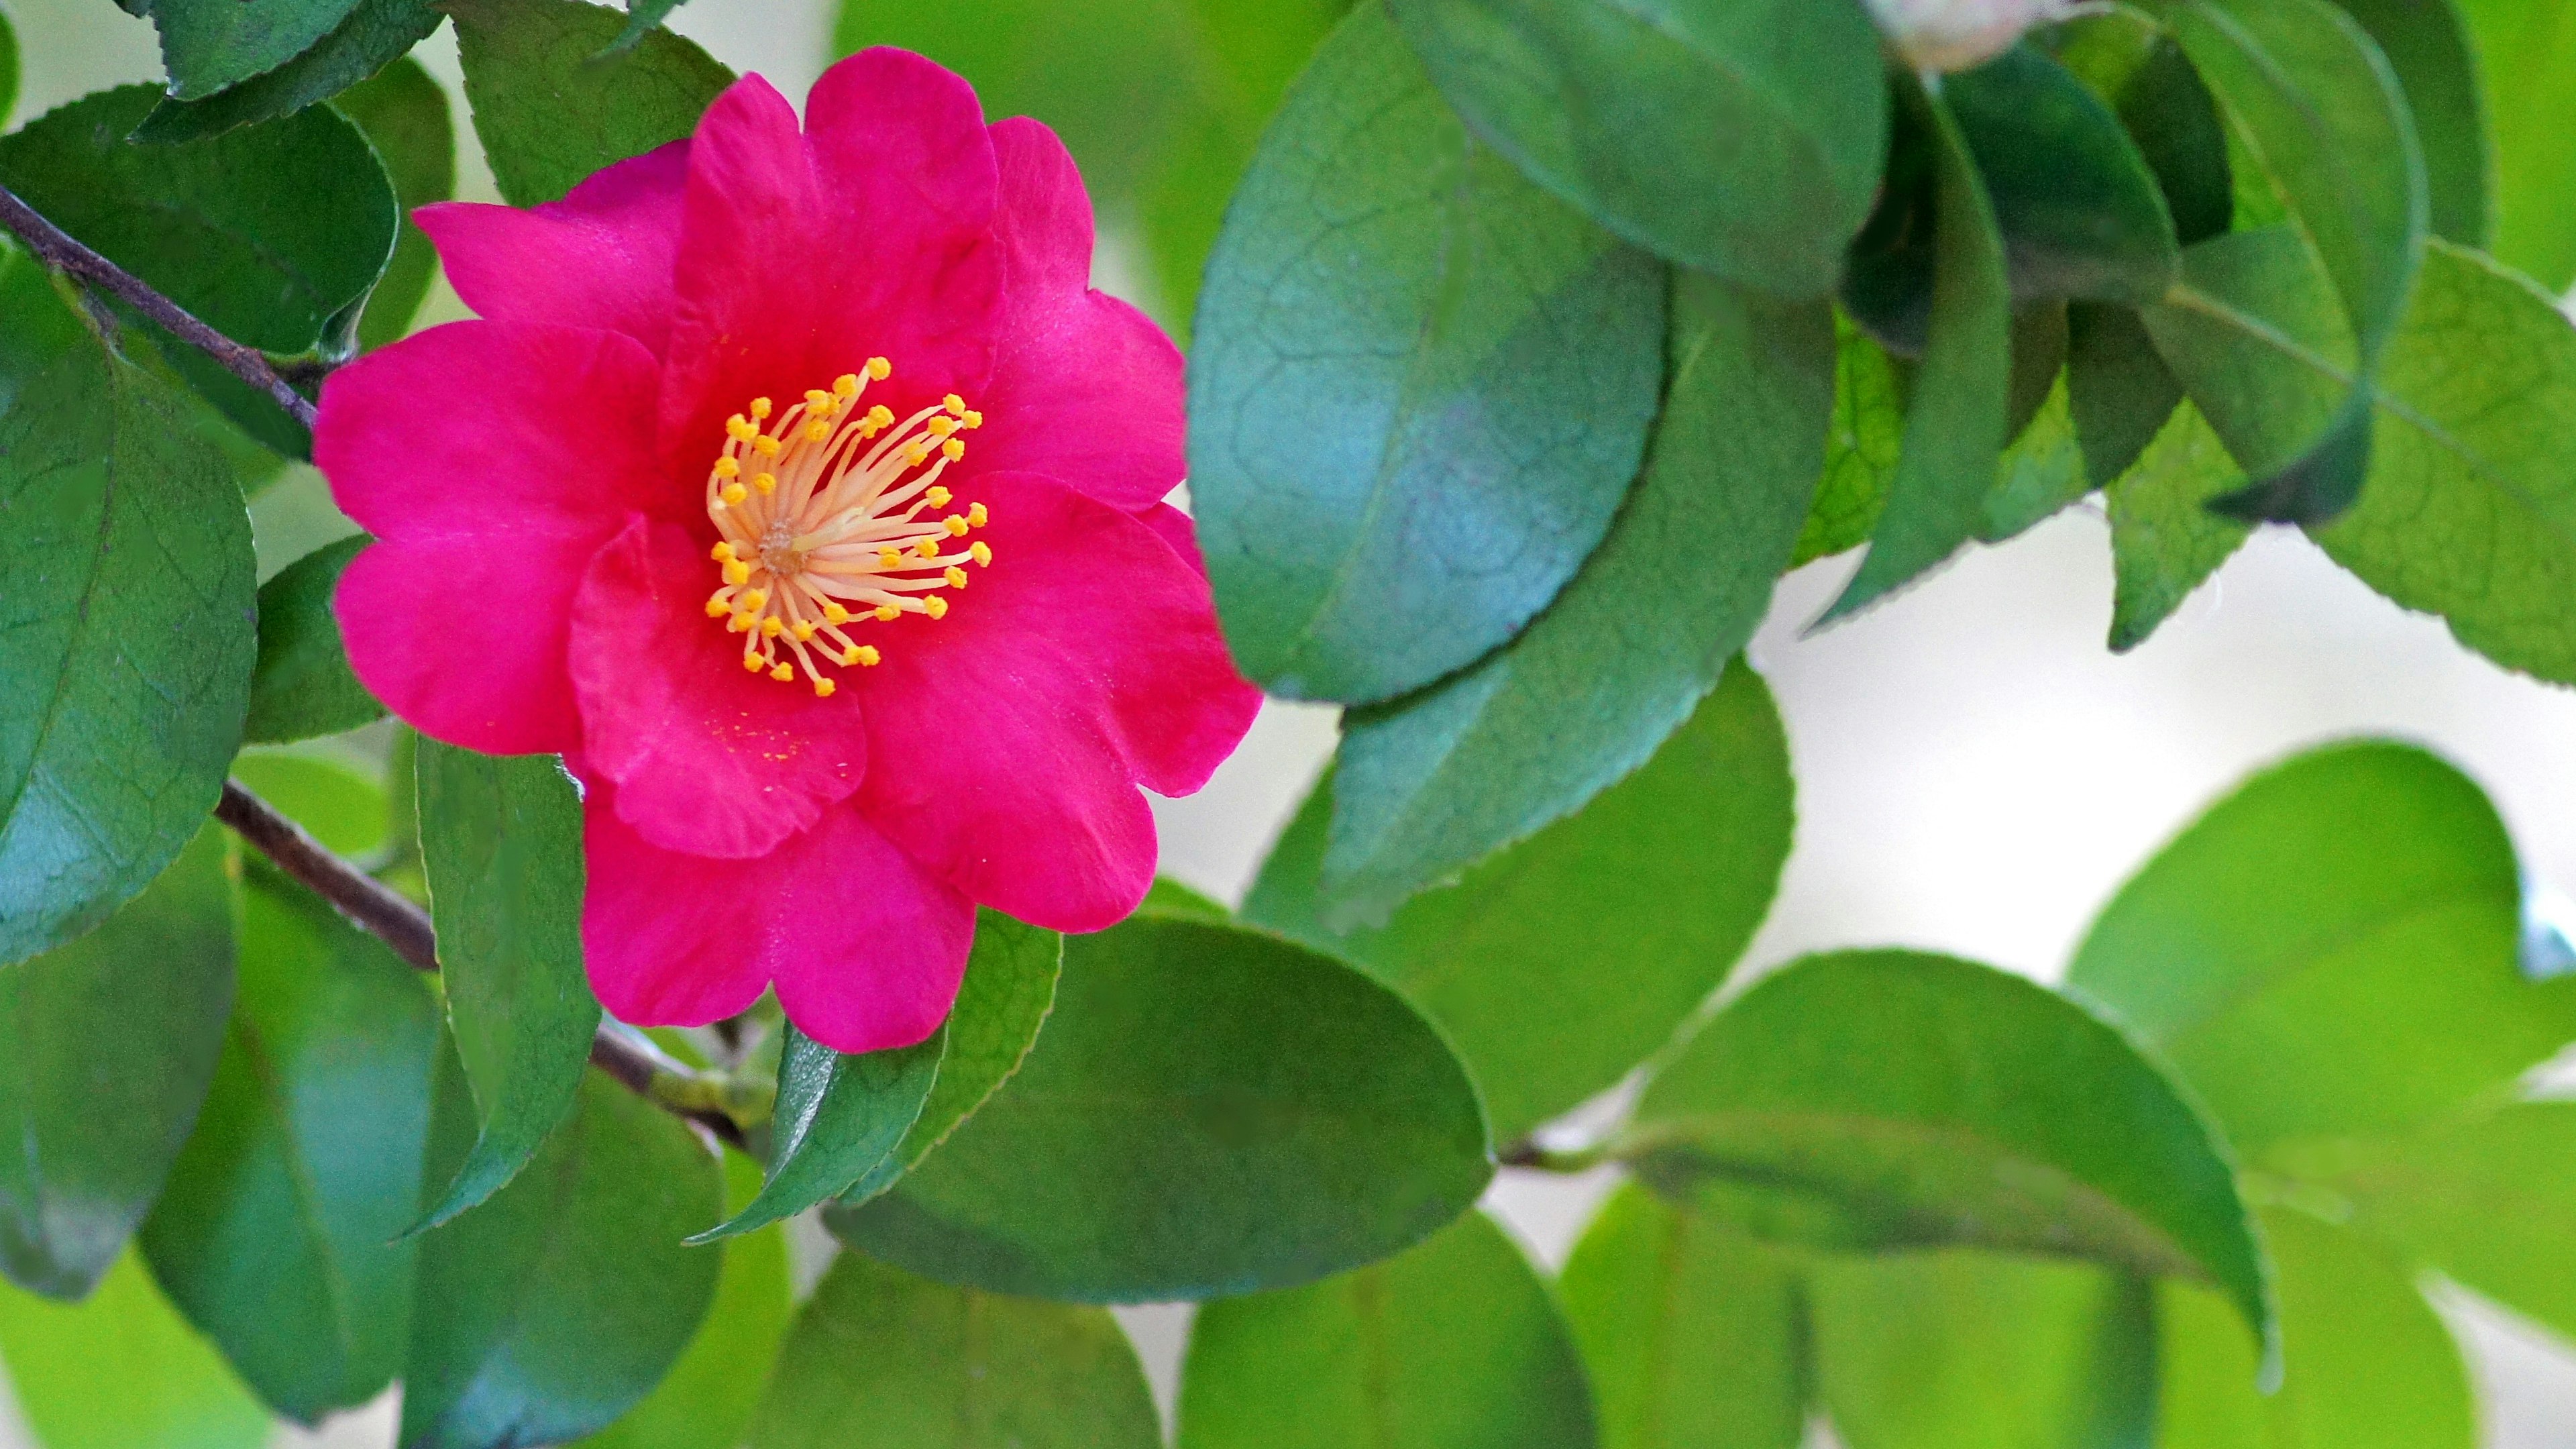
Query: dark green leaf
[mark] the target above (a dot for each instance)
(1743, 138)
(2168, 110)
(501, 841)
(1670, 871)
(2119, 393)
(404, 113)
(1444, 777)
(1452, 1344)
(549, 1311)
(840, 1117)
(1693, 1332)
(279, 1234)
(2255, 335)
(122, 1371)
(551, 109)
(112, 1040)
(126, 635)
(2164, 539)
(207, 45)
(928, 1366)
(1861, 448)
(344, 809)
(1952, 1348)
(1993, 1113)
(1208, 1111)
(2043, 471)
(642, 18)
(1009, 987)
(1955, 424)
(302, 686)
(370, 36)
(267, 233)
(37, 321)
(2078, 208)
(2524, 53)
(1420, 389)
(2330, 950)
(2427, 44)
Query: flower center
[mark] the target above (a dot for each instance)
(827, 523)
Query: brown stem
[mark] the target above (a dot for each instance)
(385, 913)
(64, 252)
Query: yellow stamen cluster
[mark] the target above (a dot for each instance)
(835, 525)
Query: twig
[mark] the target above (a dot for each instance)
(62, 251)
(383, 912)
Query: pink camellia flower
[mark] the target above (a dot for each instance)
(797, 489)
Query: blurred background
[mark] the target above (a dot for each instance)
(1976, 772)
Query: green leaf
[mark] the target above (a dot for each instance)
(1955, 424)
(1009, 988)
(1453, 1344)
(1994, 1113)
(2255, 335)
(1693, 1332)
(280, 1233)
(1934, 1350)
(8, 67)
(2164, 539)
(928, 1366)
(2331, 950)
(37, 321)
(551, 108)
(121, 1371)
(267, 233)
(2524, 51)
(343, 809)
(2119, 393)
(1861, 447)
(1669, 871)
(2167, 109)
(642, 17)
(2427, 44)
(2366, 1363)
(1446, 776)
(707, 1399)
(302, 685)
(549, 1311)
(2077, 205)
(207, 45)
(404, 113)
(2041, 473)
(112, 1041)
(372, 35)
(1209, 1111)
(1743, 139)
(839, 1117)
(501, 842)
(1420, 386)
(126, 633)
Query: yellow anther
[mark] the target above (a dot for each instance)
(928, 547)
(728, 468)
(760, 407)
(817, 430)
(865, 654)
(976, 515)
(823, 688)
(880, 369)
(956, 405)
(805, 631)
(915, 456)
(956, 577)
(888, 613)
(751, 662)
(954, 448)
(955, 523)
(834, 614)
(755, 600)
(765, 445)
(717, 608)
(941, 427)
(737, 572)
(721, 553)
(737, 623)
(815, 397)
(890, 557)
(938, 496)
(739, 429)
(880, 416)
(974, 419)
(846, 385)
(935, 606)
(771, 628)
(734, 493)
(981, 552)
(783, 673)
(765, 482)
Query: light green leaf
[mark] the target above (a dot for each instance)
(345, 810)
(1444, 777)
(1420, 386)
(1744, 139)
(112, 1040)
(404, 113)
(2041, 473)
(2330, 950)
(207, 45)
(1669, 871)
(1993, 1113)
(280, 1233)
(302, 685)
(1861, 447)
(551, 108)
(1209, 1111)
(839, 1117)
(2524, 52)
(902, 1360)
(373, 34)
(2076, 203)
(501, 842)
(2165, 541)
(549, 1311)
(121, 1371)
(1693, 1332)
(2427, 44)
(8, 67)
(126, 635)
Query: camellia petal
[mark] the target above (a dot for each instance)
(601, 257)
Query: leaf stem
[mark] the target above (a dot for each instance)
(64, 252)
(710, 1100)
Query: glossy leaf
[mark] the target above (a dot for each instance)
(302, 685)
(2119, 393)
(1009, 988)
(1208, 1111)
(2165, 541)
(268, 233)
(928, 1366)
(126, 633)
(1693, 1332)
(2427, 44)
(112, 1040)
(839, 1117)
(1453, 1344)
(120, 1370)
(1419, 389)
(2077, 206)
(1444, 777)
(1932, 1350)
(1743, 139)
(2523, 52)
(280, 1232)
(2255, 335)
(207, 45)
(1670, 870)
(551, 108)
(1994, 1114)
(1861, 447)
(501, 841)
(370, 36)
(345, 810)
(549, 1311)
(404, 113)
(2330, 950)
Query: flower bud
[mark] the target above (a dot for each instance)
(1948, 35)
